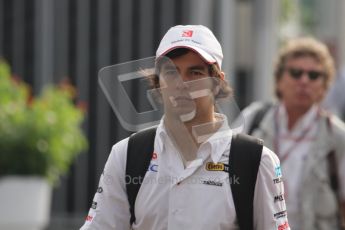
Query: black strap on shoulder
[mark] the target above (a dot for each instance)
(139, 154)
(244, 161)
(259, 116)
(334, 180)
(334, 177)
(332, 161)
(333, 171)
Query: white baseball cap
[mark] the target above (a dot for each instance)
(195, 37)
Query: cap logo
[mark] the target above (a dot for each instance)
(187, 33)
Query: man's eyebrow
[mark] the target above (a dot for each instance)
(198, 67)
(168, 67)
(194, 67)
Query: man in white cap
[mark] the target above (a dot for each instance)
(185, 184)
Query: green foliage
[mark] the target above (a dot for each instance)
(287, 10)
(310, 17)
(38, 136)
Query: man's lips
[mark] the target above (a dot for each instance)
(183, 98)
(192, 95)
(175, 100)
(303, 93)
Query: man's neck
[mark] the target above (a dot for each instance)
(183, 137)
(294, 114)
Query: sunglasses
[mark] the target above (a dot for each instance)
(297, 73)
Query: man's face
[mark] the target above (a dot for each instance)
(302, 82)
(187, 88)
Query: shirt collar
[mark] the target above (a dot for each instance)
(302, 122)
(220, 141)
(216, 144)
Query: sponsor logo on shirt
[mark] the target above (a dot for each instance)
(283, 226)
(153, 167)
(279, 214)
(279, 198)
(94, 205)
(89, 218)
(277, 180)
(278, 171)
(214, 183)
(210, 166)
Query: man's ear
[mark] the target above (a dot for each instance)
(222, 76)
(159, 97)
(216, 88)
(155, 98)
(217, 83)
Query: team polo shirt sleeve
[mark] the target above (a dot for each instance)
(110, 209)
(269, 204)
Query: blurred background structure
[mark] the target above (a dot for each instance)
(47, 40)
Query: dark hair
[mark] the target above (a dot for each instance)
(213, 69)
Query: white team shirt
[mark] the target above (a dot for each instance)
(174, 197)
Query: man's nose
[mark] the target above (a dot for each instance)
(305, 77)
(181, 82)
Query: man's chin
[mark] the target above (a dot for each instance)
(183, 113)
(187, 116)
(304, 105)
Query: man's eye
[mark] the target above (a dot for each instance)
(197, 73)
(170, 73)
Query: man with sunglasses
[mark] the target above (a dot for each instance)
(309, 141)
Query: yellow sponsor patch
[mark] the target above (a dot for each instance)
(210, 166)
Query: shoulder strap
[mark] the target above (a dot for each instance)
(334, 180)
(334, 177)
(244, 161)
(333, 171)
(139, 154)
(259, 116)
(332, 161)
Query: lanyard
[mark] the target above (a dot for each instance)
(297, 141)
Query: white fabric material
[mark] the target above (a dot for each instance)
(173, 197)
(293, 165)
(195, 37)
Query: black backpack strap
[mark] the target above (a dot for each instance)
(139, 154)
(333, 174)
(259, 116)
(334, 180)
(244, 161)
